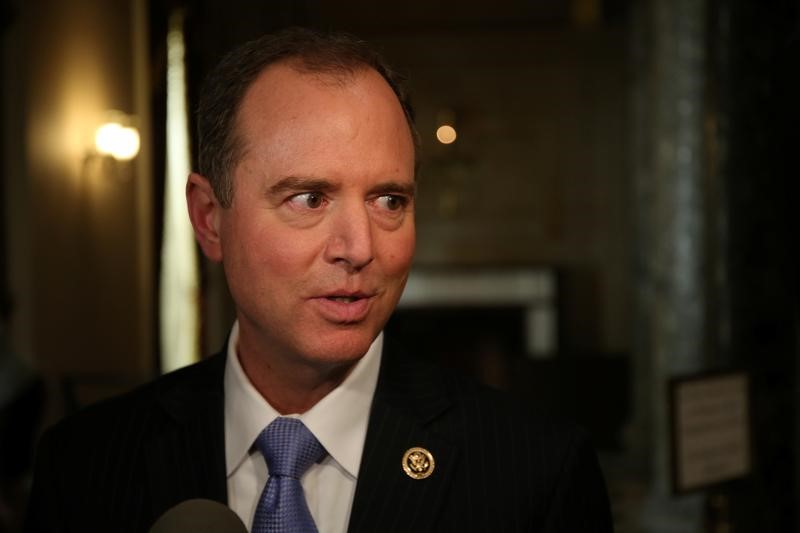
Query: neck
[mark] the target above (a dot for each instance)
(290, 385)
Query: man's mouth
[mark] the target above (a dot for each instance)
(344, 299)
(345, 307)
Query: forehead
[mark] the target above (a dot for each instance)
(285, 111)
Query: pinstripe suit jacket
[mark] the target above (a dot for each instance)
(119, 465)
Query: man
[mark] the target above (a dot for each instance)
(305, 193)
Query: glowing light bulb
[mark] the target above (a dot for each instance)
(446, 134)
(118, 141)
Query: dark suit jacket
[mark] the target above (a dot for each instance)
(119, 465)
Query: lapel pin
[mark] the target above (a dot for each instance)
(418, 463)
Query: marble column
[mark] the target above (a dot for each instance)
(670, 240)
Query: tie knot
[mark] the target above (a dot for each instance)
(289, 447)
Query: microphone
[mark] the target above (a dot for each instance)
(199, 516)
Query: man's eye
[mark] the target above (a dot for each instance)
(308, 200)
(392, 202)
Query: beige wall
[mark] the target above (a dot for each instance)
(80, 230)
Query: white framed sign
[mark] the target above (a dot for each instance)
(710, 429)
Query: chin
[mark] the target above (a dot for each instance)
(342, 347)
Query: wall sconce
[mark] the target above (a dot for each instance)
(117, 137)
(116, 142)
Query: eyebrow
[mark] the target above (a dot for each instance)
(409, 189)
(296, 183)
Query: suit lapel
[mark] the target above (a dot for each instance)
(186, 457)
(408, 401)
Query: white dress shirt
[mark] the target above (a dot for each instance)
(338, 421)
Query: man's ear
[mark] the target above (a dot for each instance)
(205, 213)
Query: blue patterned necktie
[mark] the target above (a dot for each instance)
(289, 449)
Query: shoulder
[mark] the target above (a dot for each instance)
(151, 403)
(480, 418)
(81, 461)
(425, 387)
(488, 414)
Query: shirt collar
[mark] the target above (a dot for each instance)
(338, 421)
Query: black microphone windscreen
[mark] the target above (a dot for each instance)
(200, 516)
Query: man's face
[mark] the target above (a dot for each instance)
(319, 238)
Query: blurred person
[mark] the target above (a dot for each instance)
(15, 373)
(307, 420)
(21, 408)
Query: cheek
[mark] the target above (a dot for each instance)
(284, 254)
(398, 249)
(265, 250)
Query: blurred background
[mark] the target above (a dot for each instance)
(606, 205)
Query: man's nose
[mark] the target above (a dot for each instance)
(350, 242)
